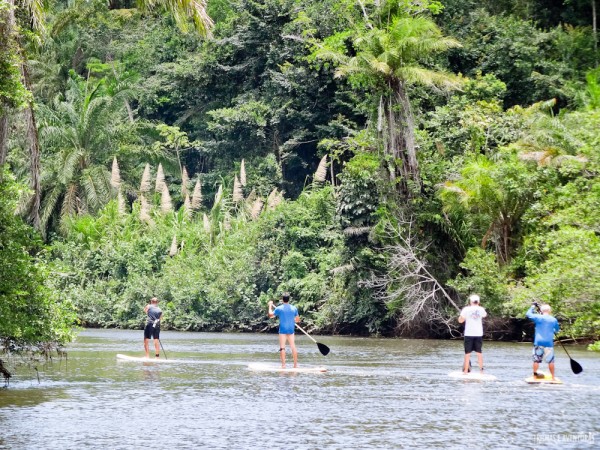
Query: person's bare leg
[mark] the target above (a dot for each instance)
(536, 366)
(292, 341)
(146, 349)
(157, 347)
(282, 349)
(480, 361)
(466, 363)
(551, 367)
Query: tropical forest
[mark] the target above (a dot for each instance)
(379, 160)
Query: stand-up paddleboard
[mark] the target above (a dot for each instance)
(478, 376)
(546, 380)
(273, 367)
(152, 360)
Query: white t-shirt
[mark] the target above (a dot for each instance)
(473, 323)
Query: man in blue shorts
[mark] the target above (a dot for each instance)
(288, 317)
(152, 329)
(543, 345)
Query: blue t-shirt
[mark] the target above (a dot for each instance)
(545, 327)
(287, 314)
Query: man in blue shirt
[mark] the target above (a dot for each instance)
(543, 345)
(288, 317)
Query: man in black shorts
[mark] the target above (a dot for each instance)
(472, 316)
(152, 329)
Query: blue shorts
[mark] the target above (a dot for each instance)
(543, 353)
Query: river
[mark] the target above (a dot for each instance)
(377, 394)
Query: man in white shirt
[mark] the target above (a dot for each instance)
(472, 316)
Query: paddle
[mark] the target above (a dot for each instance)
(322, 347)
(156, 322)
(575, 366)
(163, 349)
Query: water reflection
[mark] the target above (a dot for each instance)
(377, 394)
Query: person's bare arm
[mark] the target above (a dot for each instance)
(271, 308)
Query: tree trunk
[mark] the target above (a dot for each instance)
(34, 152)
(399, 138)
(7, 28)
(3, 138)
(595, 31)
(407, 124)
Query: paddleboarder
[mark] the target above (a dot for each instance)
(472, 316)
(152, 329)
(288, 317)
(543, 344)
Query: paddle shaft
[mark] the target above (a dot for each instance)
(163, 349)
(322, 347)
(309, 336)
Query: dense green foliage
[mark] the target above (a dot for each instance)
(31, 313)
(426, 150)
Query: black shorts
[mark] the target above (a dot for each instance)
(151, 331)
(473, 344)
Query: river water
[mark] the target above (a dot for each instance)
(377, 394)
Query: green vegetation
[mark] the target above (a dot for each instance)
(380, 160)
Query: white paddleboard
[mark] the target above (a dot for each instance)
(273, 367)
(151, 360)
(546, 380)
(474, 375)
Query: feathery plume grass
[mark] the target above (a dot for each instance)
(227, 222)
(243, 173)
(121, 207)
(256, 208)
(197, 196)
(160, 179)
(321, 172)
(166, 205)
(274, 199)
(173, 249)
(145, 210)
(187, 207)
(145, 183)
(238, 195)
(185, 181)
(218, 195)
(115, 175)
(206, 223)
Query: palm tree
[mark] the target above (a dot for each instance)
(388, 60)
(182, 11)
(81, 133)
(12, 40)
(496, 195)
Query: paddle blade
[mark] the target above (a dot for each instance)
(323, 349)
(576, 367)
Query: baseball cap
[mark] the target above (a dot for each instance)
(474, 298)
